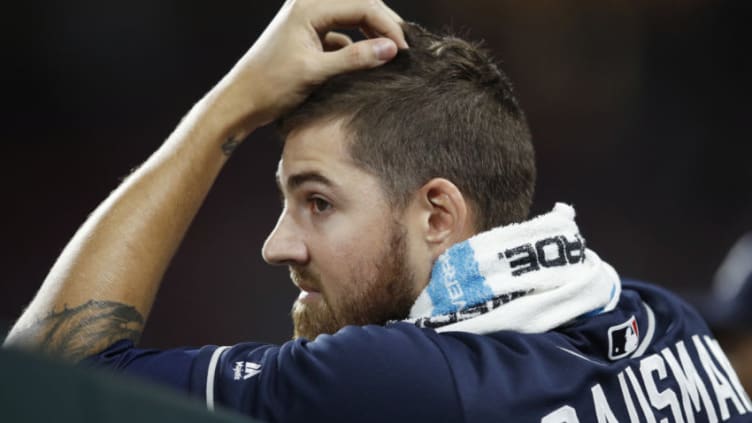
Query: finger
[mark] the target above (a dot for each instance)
(335, 41)
(361, 55)
(365, 14)
(397, 18)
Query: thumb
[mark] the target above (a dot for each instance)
(361, 55)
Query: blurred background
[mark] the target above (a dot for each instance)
(639, 110)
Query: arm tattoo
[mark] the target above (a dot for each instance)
(230, 145)
(76, 333)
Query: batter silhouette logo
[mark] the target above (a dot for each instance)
(623, 339)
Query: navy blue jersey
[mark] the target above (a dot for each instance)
(652, 359)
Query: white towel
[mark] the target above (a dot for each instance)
(528, 277)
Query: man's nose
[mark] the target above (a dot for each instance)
(284, 245)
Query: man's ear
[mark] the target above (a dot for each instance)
(445, 214)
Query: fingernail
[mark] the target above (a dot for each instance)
(384, 49)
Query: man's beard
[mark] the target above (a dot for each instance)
(387, 293)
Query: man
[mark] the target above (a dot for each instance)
(425, 294)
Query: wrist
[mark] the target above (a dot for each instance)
(213, 123)
(232, 109)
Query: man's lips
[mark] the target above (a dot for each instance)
(303, 285)
(308, 292)
(307, 297)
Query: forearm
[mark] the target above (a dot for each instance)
(103, 285)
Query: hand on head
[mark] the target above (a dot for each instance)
(300, 49)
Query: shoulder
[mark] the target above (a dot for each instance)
(667, 307)
(358, 370)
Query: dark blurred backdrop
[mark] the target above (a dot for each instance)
(639, 109)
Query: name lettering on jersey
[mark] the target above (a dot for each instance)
(686, 382)
(548, 252)
(245, 370)
(623, 339)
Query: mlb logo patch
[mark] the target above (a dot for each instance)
(623, 339)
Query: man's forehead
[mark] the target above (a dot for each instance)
(322, 136)
(289, 179)
(319, 150)
(278, 172)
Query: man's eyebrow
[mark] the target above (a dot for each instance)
(298, 179)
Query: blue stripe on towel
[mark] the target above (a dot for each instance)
(456, 282)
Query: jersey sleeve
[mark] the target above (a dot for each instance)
(368, 373)
(184, 369)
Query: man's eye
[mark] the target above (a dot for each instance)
(319, 205)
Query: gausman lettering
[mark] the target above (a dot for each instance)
(689, 381)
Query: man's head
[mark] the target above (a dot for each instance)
(384, 169)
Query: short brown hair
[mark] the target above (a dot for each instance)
(442, 108)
